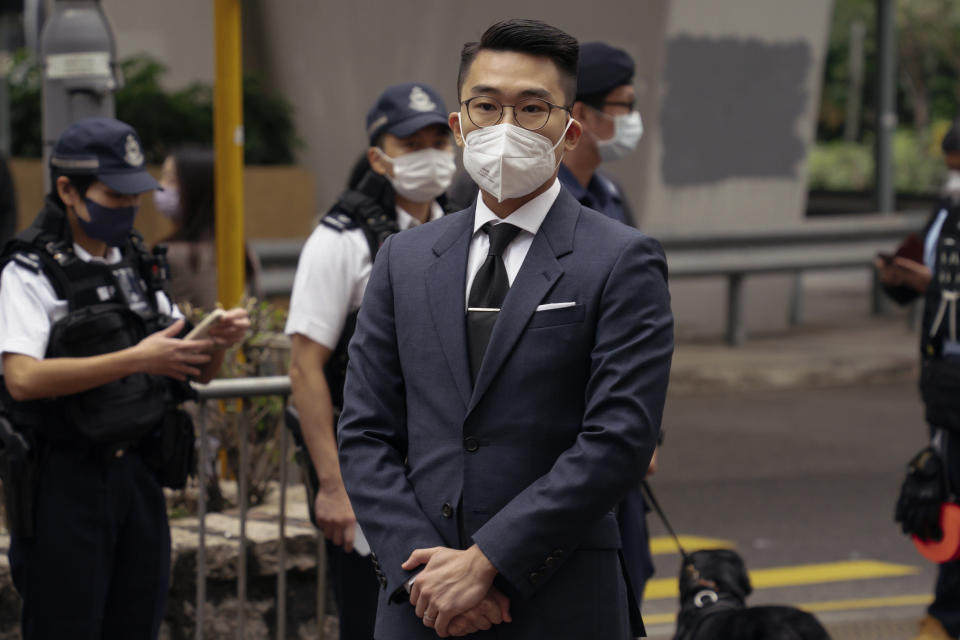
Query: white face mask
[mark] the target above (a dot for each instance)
(421, 176)
(167, 202)
(951, 187)
(627, 129)
(508, 161)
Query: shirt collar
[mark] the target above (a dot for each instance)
(113, 255)
(406, 221)
(529, 217)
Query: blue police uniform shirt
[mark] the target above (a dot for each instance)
(600, 194)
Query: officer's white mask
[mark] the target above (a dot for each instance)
(627, 130)
(508, 161)
(421, 176)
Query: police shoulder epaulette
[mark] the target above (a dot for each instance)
(29, 261)
(339, 221)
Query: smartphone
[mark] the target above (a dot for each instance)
(886, 257)
(200, 331)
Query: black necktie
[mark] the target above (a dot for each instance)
(489, 288)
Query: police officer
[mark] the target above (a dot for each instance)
(934, 474)
(605, 106)
(90, 354)
(611, 130)
(411, 165)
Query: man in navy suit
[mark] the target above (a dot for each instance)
(507, 378)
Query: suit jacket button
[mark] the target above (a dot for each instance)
(446, 510)
(470, 444)
(534, 577)
(550, 562)
(557, 553)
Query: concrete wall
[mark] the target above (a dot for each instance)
(179, 33)
(333, 59)
(728, 92)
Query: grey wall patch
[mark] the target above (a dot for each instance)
(732, 108)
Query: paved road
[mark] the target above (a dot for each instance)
(798, 477)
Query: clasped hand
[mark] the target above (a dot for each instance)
(454, 593)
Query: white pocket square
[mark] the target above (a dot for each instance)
(555, 305)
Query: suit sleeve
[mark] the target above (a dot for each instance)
(528, 539)
(373, 438)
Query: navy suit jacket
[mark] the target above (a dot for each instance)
(530, 461)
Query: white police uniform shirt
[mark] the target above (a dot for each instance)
(331, 277)
(29, 305)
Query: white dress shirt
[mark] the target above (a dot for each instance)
(331, 277)
(529, 217)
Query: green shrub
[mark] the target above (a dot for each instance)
(164, 119)
(849, 166)
(840, 166)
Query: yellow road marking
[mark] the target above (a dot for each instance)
(659, 618)
(663, 545)
(867, 603)
(797, 575)
(821, 607)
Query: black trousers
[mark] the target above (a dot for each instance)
(99, 566)
(355, 590)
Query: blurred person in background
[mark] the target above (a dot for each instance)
(605, 106)
(187, 199)
(929, 266)
(399, 184)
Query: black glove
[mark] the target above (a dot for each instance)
(921, 495)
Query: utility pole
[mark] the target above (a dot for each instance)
(851, 124)
(886, 123)
(228, 147)
(886, 103)
(78, 55)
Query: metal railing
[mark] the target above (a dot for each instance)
(244, 389)
(841, 242)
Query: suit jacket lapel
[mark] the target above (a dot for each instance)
(537, 275)
(446, 284)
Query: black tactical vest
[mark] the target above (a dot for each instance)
(370, 207)
(109, 308)
(940, 339)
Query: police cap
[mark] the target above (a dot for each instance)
(602, 69)
(404, 109)
(105, 148)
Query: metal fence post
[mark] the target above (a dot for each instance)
(796, 300)
(736, 334)
(242, 491)
(201, 523)
(282, 556)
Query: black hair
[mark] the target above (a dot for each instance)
(194, 168)
(532, 37)
(360, 169)
(195, 181)
(80, 182)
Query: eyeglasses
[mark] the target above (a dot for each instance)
(531, 114)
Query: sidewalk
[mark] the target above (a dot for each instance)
(872, 350)
(839, 343)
